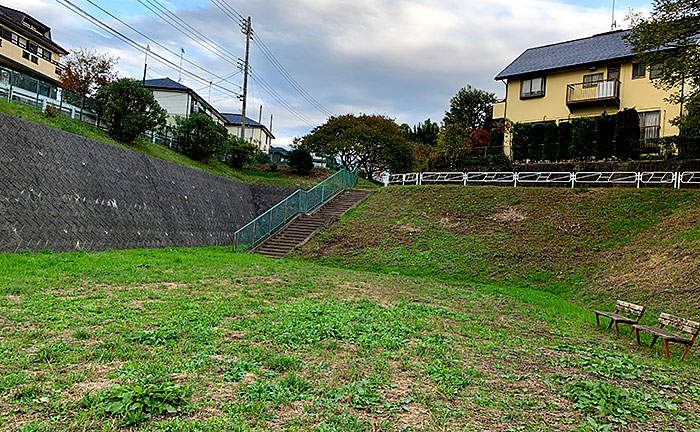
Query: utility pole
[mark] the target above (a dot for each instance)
(260, 116)
(179, 73)
(145, 64)
(248, 32)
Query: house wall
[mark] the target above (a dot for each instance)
(639, 93)
(43, 66)
(174, 102)
(256, 135)
(64, 192)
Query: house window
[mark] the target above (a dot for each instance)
(655, 71)
(592, 79)
(638, 70)
(25, 55)
(650, 126)
(5, 33)
(15, 39)
(34, 60)
(23, 43)
(532, 87)
(47, 55)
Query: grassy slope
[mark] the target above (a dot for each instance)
(593, 245)
(290, 345)
(249, 175)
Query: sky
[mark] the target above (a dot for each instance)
(401, 58)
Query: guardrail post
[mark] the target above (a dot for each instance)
(419, 179)
(235, 241)
(323, 193)
(573, 179)
(679, 179)
(515, 179)
(464, 178)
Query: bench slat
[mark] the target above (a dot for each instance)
(682, 324)
(616, 317)
(629, 308)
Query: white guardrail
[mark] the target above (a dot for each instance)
(638, 179)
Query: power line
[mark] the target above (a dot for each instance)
(267, 53)
(281, 100)
(221, 79)
(179, 24)
(100, 24)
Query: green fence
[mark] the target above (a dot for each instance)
(300, 201)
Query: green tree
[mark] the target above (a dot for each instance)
(237, 151)
(550, 141)
(564, 141)
(470, 108)
(583, 137)
(300, 160)
(200, 137)
(669, 37)
(522, 137)
(425, 133)
(368, 142)
(128, 109)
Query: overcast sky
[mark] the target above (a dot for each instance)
(401, 58)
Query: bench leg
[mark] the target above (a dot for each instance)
(687, 351)
(632, 331)
(637, 331)
(653, 341)
(597, 320)
(617, 330)
(611, 323)
(668, 354)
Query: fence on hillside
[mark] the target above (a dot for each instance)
(300, 201)
(675, 180)
(18, 87)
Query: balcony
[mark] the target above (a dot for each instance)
(605, 92)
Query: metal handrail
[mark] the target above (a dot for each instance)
(300, 201)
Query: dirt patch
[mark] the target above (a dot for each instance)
(508, 215)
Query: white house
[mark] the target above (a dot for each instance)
(255, 132)
(180, 101)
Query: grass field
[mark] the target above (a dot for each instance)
(585, 245)
(207, 340)
(250, 174)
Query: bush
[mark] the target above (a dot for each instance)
(522, 136)
(605, 136)
(300, 161)
(583, 136)
(236, 152)
(536, 139)
(550, 141)
(200, 137)
(128, 109)
(261, 158)
(564, 141)
(627, 134)
(496, 142)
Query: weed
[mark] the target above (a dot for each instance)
(134, 403)
(238, 370)
(153, 337)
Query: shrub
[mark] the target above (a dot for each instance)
(128, 109)
(550, 141)
(583, 136)
(564, 141)
(535, 145)
(200, 137)
(605, 136)
(50, 111)
(237, 151)
(522, 135)
(261, 158)
(627, 134)
(300, 161)
(496, 142)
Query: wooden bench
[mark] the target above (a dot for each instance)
(665, 320)
(634, 310)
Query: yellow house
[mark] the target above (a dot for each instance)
(583, 78)
(255, 132)
(26, 46)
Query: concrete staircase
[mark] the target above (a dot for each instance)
(300, 229)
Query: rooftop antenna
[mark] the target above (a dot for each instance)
(613, 26)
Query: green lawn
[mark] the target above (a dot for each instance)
(206, 340)
(252, 174)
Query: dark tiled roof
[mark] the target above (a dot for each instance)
(235, 119)
(599, 48)
(17, 18)
(165, 83)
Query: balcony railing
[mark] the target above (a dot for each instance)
(593, 93)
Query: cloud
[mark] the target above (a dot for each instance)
(405, 59)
